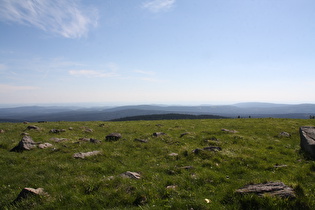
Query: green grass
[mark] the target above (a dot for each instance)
(248, 156)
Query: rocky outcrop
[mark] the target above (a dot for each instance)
(26, 143)
(307, 135)
(270, 188)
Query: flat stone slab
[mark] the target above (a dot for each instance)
(307, 135)
(270, 188)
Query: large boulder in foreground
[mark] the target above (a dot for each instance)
(307, 135)
(26, 143)
(270, 188)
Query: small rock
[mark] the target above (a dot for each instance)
(95, 141)
(57, 130)
(88, 130)
(84, 139)
(156, 134)
(173, 154)
(26, 143)
(183, 134)
(284, 134)
(1, 131)
(173, 187)
(196, 151)
(58, 139)
(131, 175)
(83, 155)
(45, 145)
(141, 140)
(229, 131)
(26, 192)
(113, 137)
(270, 188)
(32, 127)
(212, 148)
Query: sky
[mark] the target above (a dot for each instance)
(157, 51)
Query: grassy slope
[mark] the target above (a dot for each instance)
(248, 156)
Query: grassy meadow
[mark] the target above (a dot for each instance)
(256, 153)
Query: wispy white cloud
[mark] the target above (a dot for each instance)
(92, 73)
(158, 5)
(144, 72)
(4, 88)
(67, 18)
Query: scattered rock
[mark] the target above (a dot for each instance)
(58, 139)
(187, 167)
(172, 187)
(183, 134)
(280, 166)
(173, 154)
(95, 141)
(141, 140)
(57, 130)
(140, 200)
(32, 127)
(26, 143)
(26, 192)
(1, 131)
(131, 175)
(88, 130)
(25, 122)
(212, 148)
(45, 145)
(157, 134)
(158, 125)
(307, 136)
(196, 151)
(284, 134)
(270, 188)
(84, 139)
(113, 137)
(70, 128)
(83, 155)
(229, 131)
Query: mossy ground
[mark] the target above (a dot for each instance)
(248, 156)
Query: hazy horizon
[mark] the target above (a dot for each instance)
(157, 52)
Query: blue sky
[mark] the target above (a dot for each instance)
(157, 51)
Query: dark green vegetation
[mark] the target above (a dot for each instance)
(252, 155)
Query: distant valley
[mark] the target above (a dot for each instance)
(138, 112)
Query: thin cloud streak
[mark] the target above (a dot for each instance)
(65, 18)
(92, 73)
(4, 88)
(158, 5)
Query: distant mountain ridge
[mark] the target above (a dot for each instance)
(74, 113)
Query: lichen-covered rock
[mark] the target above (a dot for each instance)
(26, 143)
(83, 155)
(271, 188)
(307, 135)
